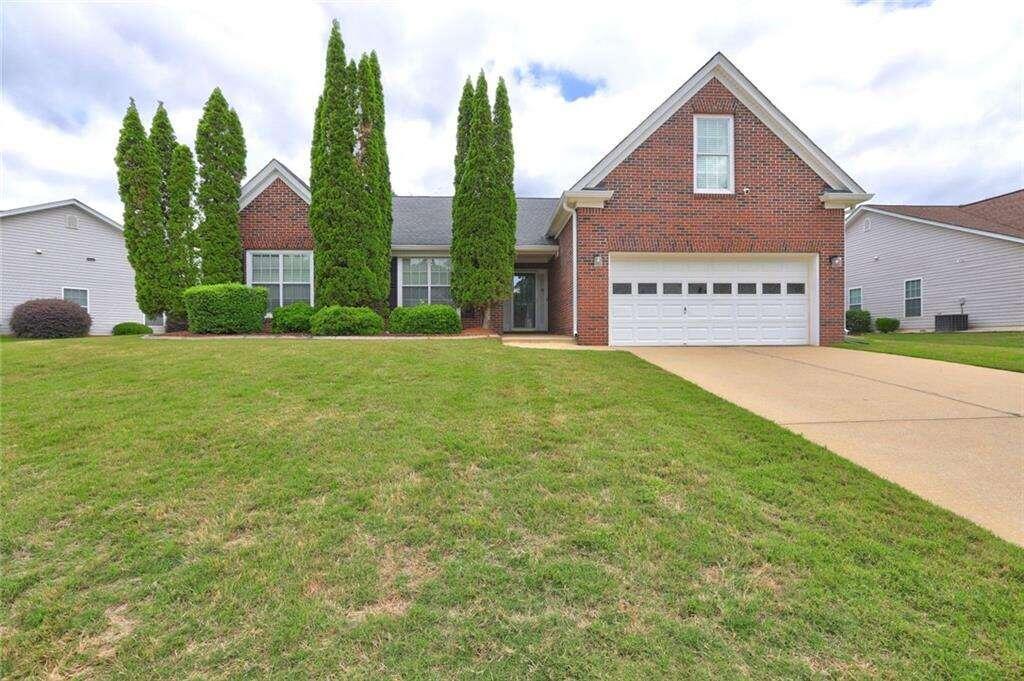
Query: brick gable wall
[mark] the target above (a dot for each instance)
(654, 209)
(277, 219)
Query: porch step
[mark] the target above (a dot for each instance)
(523, 338)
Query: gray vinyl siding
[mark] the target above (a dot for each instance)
(27, 275)
(883, 251)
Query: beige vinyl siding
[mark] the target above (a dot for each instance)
(63, 262)
(883, 251)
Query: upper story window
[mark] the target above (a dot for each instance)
(712, 154)
(425, 280)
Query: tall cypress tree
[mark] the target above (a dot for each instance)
(220, 148)
(480, 271)
(181, 238)
(504, 182)
(377, 176)
(138, 183)
(462, 130)
(344, 215)
(161, 136)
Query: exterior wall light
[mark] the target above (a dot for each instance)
(835, 260)
(598, 260)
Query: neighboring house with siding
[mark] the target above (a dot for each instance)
(915, 262)
(65, 249)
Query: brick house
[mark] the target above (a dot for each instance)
(715, 222)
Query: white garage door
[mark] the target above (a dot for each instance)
(684, 300)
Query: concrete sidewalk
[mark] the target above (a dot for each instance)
(951, 433)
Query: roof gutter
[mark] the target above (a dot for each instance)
(571, 200)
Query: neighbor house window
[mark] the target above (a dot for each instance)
(713, 154)
(426, 280)
(912, 298)
(855, 299)
(77, 295)
(287, 277)
(155, 320)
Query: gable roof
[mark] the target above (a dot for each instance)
(275, 170)
(74, 203)
(417, 220)
(1001, 216)
(720, 68)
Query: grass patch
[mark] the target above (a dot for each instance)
(449, 509)
(994, 349)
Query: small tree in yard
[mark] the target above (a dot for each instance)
(138, 183)
(481, 261)
(220, 148)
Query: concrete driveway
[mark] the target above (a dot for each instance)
(949, 432)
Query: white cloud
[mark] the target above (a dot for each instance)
(920, 104)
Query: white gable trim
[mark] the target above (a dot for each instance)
(981, 232)
(721, 68)
(275, 170)
(74, 203)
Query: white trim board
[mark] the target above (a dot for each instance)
(981, 232)
(74, 203)
(720, 68)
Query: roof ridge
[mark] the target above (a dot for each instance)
(997, 196)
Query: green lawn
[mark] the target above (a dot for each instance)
(995, 349)
(444, 509)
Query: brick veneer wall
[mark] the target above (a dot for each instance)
(276, 219)
(560, 285)
(655, 210)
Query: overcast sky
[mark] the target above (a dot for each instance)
(920, 102)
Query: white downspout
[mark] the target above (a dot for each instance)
(575, 323)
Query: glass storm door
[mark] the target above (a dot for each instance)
(524, 300)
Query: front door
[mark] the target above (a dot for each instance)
(527, 309)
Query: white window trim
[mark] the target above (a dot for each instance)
(401, 278)
(732, 156)
(920, 297)
(88, 294)
(280, 270)
(849, 298)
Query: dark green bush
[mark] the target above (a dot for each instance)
(887, 324)
(346, 321)
(225, 308)
(131, 329)
(858, 321)
(294, 318)
(50, 318)
(426, 319)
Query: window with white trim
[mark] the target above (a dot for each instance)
(912, 298)
(155, 320)
(287, 277)
(77, 295)
(854, 296)
(712, 154)
(426, 281)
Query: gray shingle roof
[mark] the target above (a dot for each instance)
(427, 221)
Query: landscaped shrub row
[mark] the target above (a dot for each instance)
(346, 321)
(225, 308)
(50, 318)
(426, 319)
(131, 329)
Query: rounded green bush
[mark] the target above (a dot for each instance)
(225, 308)
(346, 321)
(425, 319)
(131, 329)
(858, 321)
(293, 318)
(887, 324)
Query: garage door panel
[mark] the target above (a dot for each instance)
(689, 311)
